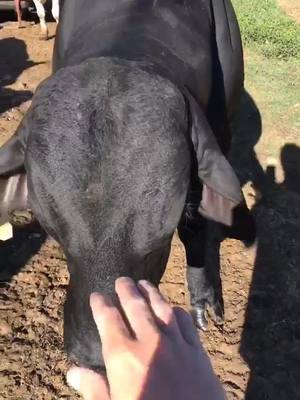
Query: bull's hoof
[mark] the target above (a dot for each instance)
(218, 313)
(203, 297)
(198, 314)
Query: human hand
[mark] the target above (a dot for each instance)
(158, 356)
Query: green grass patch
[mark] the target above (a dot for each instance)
(267, 28)
(275, 85)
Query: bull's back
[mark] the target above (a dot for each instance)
(173, 38)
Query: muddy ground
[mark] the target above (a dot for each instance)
(257, 351)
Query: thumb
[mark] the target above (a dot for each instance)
(89, 384)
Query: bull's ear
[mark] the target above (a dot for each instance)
(11, 156)
(221, 188)
(13, 195)
(13, 181)
(12, 153)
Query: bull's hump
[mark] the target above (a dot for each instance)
(112, 112)
(174, 36)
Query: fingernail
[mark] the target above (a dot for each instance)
(97, 299)
(145, 284)
(124, 279)
(96, 296)
(74, 377)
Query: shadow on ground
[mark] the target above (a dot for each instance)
(27, 240)
(14, 60)
(16, 252)
(271, 336)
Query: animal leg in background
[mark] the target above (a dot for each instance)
(193, 232)
(18, 11)
(42, 17)
(55, 10)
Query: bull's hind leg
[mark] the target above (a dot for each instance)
(194, 233)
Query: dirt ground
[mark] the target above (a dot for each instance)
(257, 351)
(292, 8)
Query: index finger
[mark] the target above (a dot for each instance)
(111, 326)
(136, 308)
